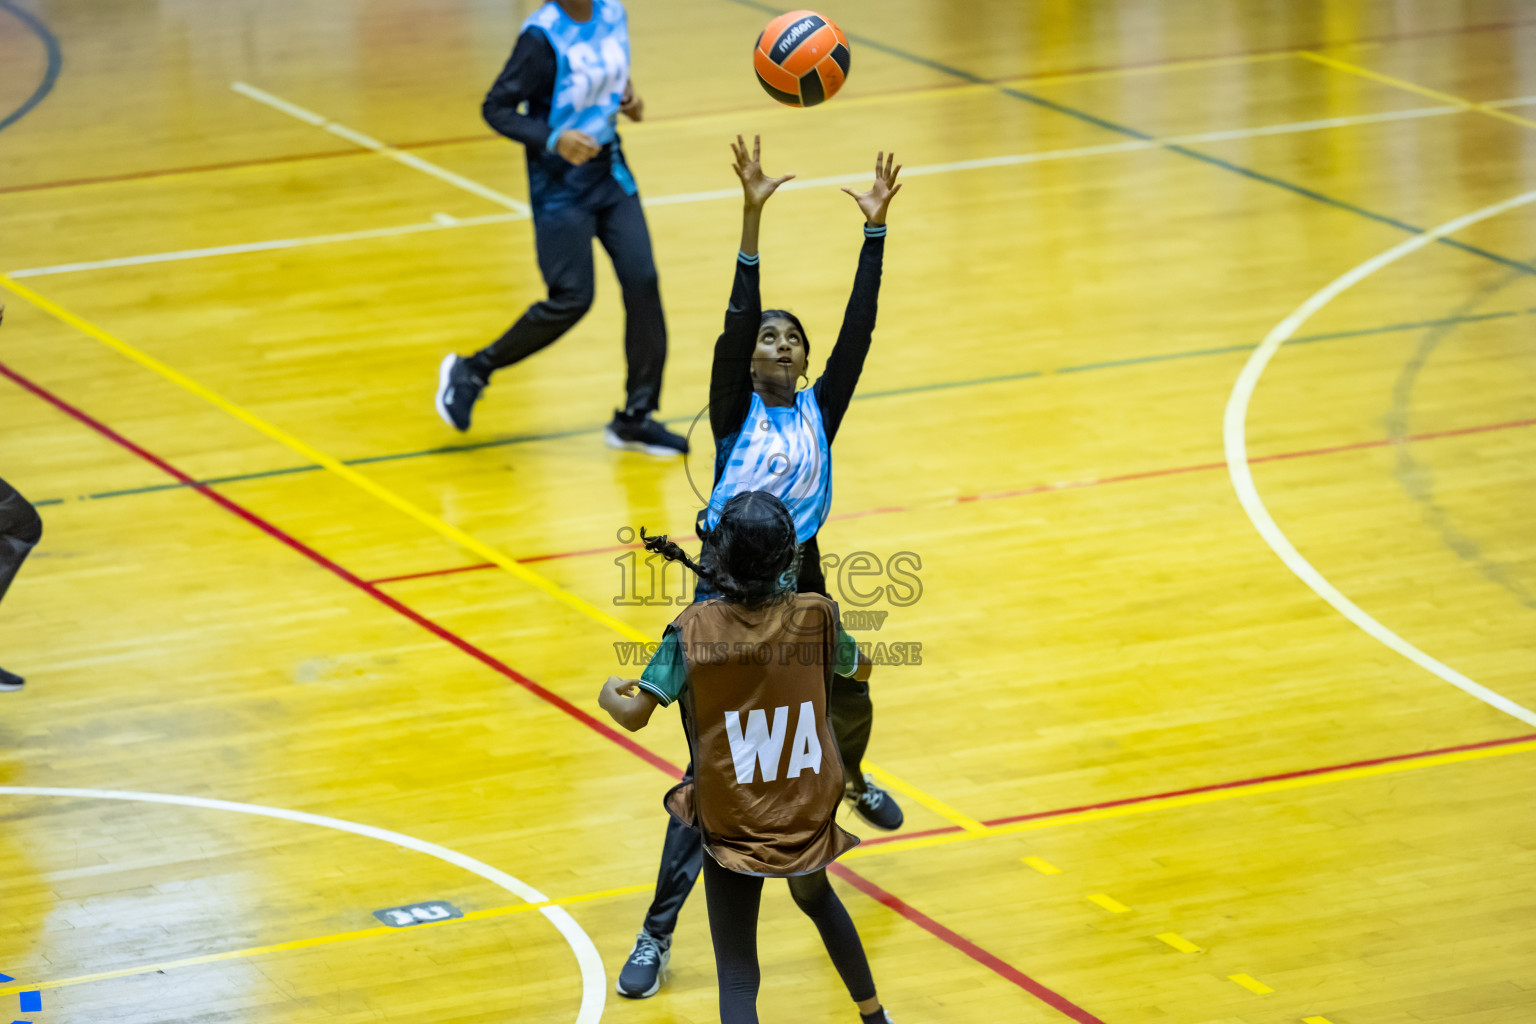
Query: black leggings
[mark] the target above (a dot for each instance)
(733, 903)
(20, 530)
(563, 238)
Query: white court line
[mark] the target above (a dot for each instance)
(280, 243)
(442, 222)
(593, 981)
(1234, 433)
(1518, 101)
(1016, 159)
(367, 142)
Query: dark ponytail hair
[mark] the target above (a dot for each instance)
(751, 555)
(784, 314)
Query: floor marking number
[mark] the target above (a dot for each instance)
(418, 913)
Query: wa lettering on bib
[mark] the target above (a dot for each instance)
(767, 778)
(761, 746)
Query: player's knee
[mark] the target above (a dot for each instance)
(569, 304)
(641, 282)
(810, 891)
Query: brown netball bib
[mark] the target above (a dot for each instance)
(766, 774)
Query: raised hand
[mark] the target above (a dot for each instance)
(877, 200)
(756, 186)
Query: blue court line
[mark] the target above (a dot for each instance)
(969, 382)
(50, 74)
(1185, 151)
(31, 1002)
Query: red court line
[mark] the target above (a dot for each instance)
(966, 946)
(1040, 78)
(167, 172)
(1025, 491)
(521, 561)
(310, 553)
(1213, 787)
(912, 914)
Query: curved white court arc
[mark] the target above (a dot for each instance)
(594, 986)
(1234, 436)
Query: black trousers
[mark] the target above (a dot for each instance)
(20, 530)
(733, 905)
(850, 713)
(563, 237)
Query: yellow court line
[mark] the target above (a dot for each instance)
(1250, 983)
(1398, 83)
(341, 469)
(1180, 943)
(934, 804)
(325, 940)
(1035, 862)
(1189, 800)
(1109, 903)
(465, 540)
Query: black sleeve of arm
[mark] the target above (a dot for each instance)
(835, 388)
(730, 378)
(530, 72)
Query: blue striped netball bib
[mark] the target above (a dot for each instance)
(593, 58)
(782, 450)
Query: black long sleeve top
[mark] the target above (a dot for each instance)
(730, 383)
(529, 77)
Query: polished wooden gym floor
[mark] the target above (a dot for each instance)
(1227, 603)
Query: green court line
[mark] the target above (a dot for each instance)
(946, 385)
(1035, 99)
(1331, 336)
(968, 382)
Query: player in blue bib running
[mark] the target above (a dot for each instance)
(560, 95)
(771, 437)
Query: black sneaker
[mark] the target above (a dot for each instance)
(640, 433)
(10, 680)
(457, 389)
(875, 805)
(641, 976)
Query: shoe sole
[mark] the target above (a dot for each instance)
(641, 995)
(613, 440)
(443, 373)
(875, 824)
(655, 985)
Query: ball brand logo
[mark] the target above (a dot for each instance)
(792, 36)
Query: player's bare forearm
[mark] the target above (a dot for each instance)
(626, 703)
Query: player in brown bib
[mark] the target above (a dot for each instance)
(752, 670)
